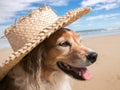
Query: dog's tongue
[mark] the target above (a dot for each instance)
(85, 74)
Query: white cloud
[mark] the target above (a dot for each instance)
(101, 4)
(75, 25)
(103, 16)
(8, 8)
(107, 6)
(58, 2)
(117, 23)
(2, 28)
(91, 2)
(55, 2)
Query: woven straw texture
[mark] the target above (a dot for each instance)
(29, 26)
(32, 30)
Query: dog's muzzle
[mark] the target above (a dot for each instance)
(92, 56)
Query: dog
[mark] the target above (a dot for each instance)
(50, 65)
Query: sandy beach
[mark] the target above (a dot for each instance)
(106, 71)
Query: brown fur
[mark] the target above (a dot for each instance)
(38, 69)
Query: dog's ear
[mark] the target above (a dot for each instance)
(41, 52)
(31, 63)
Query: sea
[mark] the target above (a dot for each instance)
(84, 34)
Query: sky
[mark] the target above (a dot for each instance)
(105, 14)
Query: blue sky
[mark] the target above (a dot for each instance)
(104, 14)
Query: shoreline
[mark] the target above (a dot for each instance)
(95, 36)
(105, 71)
(5, 44)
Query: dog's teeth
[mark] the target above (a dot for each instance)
(79, 73)
(68, 67)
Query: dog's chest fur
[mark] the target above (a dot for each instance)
(57, 81)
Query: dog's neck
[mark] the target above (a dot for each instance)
(54, 80)
(56, 83)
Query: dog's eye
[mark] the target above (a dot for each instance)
(64, 44)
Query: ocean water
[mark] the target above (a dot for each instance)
(4, 43)
(95, 33)
(84, 34)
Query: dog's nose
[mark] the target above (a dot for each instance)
(92, 57)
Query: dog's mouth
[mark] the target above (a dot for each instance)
(75, 72)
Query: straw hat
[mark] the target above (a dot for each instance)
(32, 29)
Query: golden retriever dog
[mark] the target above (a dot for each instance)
(50, 65)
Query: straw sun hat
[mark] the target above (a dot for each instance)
(32, 29)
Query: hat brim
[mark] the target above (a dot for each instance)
(63, 21)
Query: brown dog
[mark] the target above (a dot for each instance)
(50, 64)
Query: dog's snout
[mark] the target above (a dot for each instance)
(92, 57)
